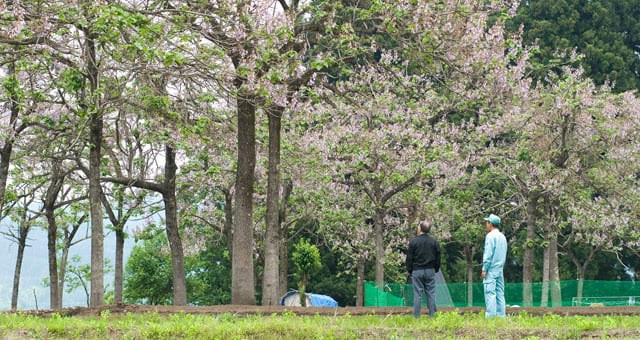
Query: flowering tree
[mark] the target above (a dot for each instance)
(557, 137)
(256, 51)
(602, 200)
(404, 120)
(77, 37)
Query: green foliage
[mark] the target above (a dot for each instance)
(333, 277)
(606, 32)
(209, 276)
(306, 256)
(307, 259)
(148, 275)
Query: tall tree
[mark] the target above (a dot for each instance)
(256, 51)
(76, 39)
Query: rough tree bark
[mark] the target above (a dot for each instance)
(5, 158)
(228, 221)
(378, 221)
(544, 297)
(23, 232)
(554, 272)
(118, 267)
(22, 243)
(242, 274)
(52, 230)
(527, 265)
(118, 227)
(360, 282)
(284, 263)
(171, 214)
(7, 148)
(283, 235)
(469, 253)
(546, 259)
(95, 164)
(270, 280)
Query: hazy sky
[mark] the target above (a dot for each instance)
(35, 268)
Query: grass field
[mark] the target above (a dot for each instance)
(451, 325)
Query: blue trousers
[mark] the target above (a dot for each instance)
(494, 295)
(424, 281)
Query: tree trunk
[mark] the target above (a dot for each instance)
(97, 238)
(554, 272)
(52, 231)
(544, 298)
(527, 266)
(22, 243)
(242, 277)
(5, 157)
(95, 164)
(63, 270)
(412, 218)
(283, 234)
(5, 151)
(270, 280)
(53, 264)
(582, 267)
(360, 282)
(66, 246)
(228, 221)
(581, 271)
(168, 191)
(470, 282)
(378, 221)
(118, 222)
(303, 291)
(284, 263)
(119, 265)
(173, 234)
(469, 252)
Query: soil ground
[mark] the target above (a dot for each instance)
(329, 311)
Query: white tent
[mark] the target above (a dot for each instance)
(292, 298)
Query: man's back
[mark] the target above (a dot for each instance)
(423, 261)
(423, 252)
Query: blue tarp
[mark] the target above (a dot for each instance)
(317, 300)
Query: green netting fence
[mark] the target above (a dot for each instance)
(608, 293)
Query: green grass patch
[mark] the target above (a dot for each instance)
(290, 326)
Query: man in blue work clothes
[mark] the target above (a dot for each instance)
(423, 262)
(495, 253)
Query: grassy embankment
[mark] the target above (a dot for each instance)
(291, 326)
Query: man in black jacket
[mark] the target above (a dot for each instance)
(423, 262)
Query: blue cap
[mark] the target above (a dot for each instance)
(494, 219)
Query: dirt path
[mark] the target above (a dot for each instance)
(268, 310)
